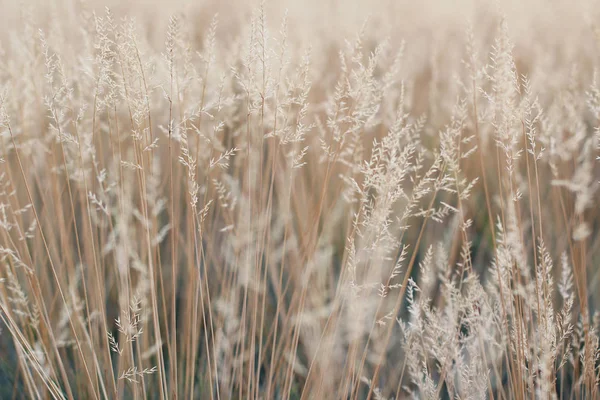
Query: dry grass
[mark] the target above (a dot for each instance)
(307, 204)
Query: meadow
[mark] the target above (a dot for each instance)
(317, 199)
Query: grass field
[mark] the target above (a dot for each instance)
(299, 199)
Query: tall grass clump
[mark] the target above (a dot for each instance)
(235, 200)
